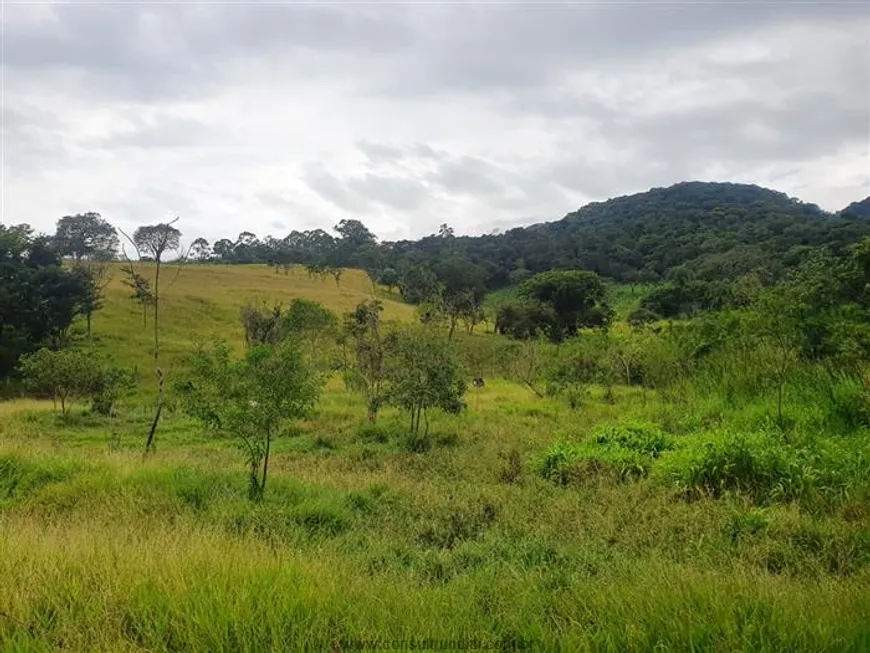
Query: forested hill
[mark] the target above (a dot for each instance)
(858, 209)
(718, 230)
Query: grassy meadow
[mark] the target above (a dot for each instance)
(524, 524)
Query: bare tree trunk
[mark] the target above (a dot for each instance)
(158, 409)
(149, 443)
(265, 464)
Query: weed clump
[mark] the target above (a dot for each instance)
(623, 453)
(762, 468)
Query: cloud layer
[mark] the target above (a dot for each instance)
(268, 117)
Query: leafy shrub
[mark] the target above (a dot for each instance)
(319, 518)
(762, 468)
(108, 385)
(645, 439)
(849, 405)
(747, 523)
(569, 465)
(623, 452)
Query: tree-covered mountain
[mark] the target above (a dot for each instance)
(710, 231)
(860, 209)
(716, 230)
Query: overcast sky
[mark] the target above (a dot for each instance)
(269, 117)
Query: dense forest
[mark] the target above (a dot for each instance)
(715, 230)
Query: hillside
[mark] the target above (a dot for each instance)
(699, 486)
(716, 229)
(203, 301)
(860, 209)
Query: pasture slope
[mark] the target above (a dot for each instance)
(203, 301)
(486, 540)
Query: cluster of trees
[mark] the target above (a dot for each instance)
(278, 379)
(695, 237)
(46, 282)
(39, 297)
(713, 231)
(68, 375)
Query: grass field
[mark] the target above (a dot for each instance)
(203, 301)
(362, 542)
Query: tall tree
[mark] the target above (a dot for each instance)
(362, 327)
(576, 299)
(200, 249)
(86, 236)
(156, 242)
(39, 299)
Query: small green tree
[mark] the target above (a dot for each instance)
(109, 384)
(65, 374)
(311, 322)
(69, 374)
(336, 273)
(95, 277)
(141, 288)
(574, 299)
(251, 397)
(424, 373)
(362, 328)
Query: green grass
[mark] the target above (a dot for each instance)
(203, 301)
(725, 534)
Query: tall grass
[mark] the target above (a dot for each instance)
(677, 515)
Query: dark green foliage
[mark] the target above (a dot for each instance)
(641, 317)
(38, 298)
(570, 300)
(86, 236)
(715, 231)
(860, 209)
(521, 319)
(685, 299)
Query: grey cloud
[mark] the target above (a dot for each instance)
(154, 50)
(402, 194)
(521, 45)
(33, 140)
(595, 81)
(143, 50)
(333, 190)
(469, 175)
(357, 194)
(380, 153)
(165, 131)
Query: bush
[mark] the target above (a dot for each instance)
(763, 469)
(571, 465)
(67, 374)
(109, 385)
(645, 439)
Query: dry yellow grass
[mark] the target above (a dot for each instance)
(203, 301)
